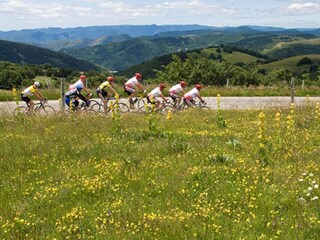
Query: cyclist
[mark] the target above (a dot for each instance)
(129, 88)
(74, 91)
(157, 92)
(30, 91)
(189, 97)
(177, 92)
(102, 92)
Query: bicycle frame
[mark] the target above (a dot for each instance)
(39, 108)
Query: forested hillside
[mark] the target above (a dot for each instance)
(122, 55)
(27, 54)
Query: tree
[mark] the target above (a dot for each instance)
(303, 61)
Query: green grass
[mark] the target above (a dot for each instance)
(54, 94)
(291, 63)
(233, 57)
(255, 176)
(313, 41)
(45, 81)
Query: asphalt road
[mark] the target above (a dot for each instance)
(225, 103)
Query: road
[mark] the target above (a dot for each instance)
(225, 104)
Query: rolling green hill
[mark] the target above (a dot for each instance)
(290, 63)
(147, 68)
(122, 55)
(27, 54)
(280, 46)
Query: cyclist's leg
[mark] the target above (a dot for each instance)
(179, 100)
(70, 99)
(102, 95)
(26, 109)
(29, 103)
(188, 101)
(174, 99)
(83, 98)
(132, 93)
(25, 99)
(31, 106)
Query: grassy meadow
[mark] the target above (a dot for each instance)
(207, 91)
(290, 63)
(187, 175)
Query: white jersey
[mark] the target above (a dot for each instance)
(78, 85)
(132, 82)
(193, 93)
(155, 92)
(176, 89)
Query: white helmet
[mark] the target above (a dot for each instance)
(37, 84)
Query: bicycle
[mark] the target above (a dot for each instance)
(40, 108)
(164, 107)
(139, 101)
(199, 105)
(83, 108)
(98, 106)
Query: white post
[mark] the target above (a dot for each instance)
(292, 90)
(62, 95)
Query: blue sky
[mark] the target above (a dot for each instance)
(30, 14)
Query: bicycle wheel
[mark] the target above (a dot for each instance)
(21, 110)
(165, 108)
(145, 108)
(204, 108)
(46, 110)
(96, 107)
(123, 108)
(92, 102)
(141, 102)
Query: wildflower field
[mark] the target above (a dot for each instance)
(187, 175)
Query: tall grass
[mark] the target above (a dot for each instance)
(55, 93)
(75, 177)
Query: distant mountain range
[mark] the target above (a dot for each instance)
(123, 46)
(45, 36)
(57, 38)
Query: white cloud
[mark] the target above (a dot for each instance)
(165, 8)
(43, 10)
(17, 14)
(304, 7)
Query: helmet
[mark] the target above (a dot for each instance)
(37, 84)
(83, 77)
(198, 86)
(183, 84)
(111, 78)
(138, 75)
(162, 86)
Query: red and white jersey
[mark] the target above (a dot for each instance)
(132, 82)
(78, 85)
(155, 92)
(193, 93)
(176, 89)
